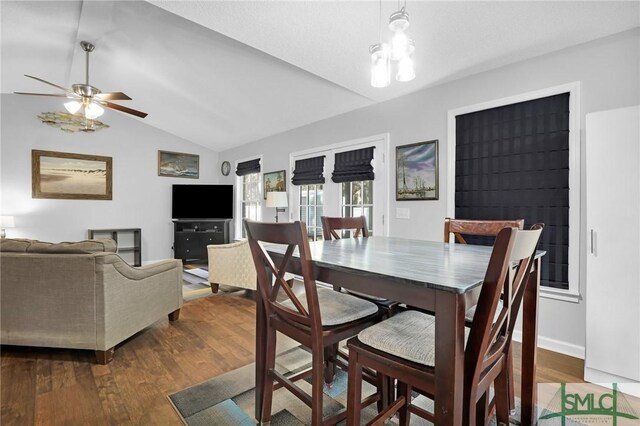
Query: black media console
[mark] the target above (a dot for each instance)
(192, 236)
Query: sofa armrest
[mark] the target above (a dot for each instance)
(132, 298)
(138, 272)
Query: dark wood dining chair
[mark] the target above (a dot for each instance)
(490, 228)
(402, 346)
(482, 228)
(318, 318)
(356, 226)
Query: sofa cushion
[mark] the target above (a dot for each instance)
(78, 247)
(16, 245)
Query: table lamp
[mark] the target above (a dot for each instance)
(277, 200)
(6, 222)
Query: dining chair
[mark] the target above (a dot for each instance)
(317, 318)
(356, 226)
(489, 228)
(402, 346)
(485, 228)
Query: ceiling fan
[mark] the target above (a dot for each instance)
(86, 99)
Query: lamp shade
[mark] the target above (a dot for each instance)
(277, 199)
(7, 222)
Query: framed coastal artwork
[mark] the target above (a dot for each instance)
(178, 164)
(274, 182)
(65, 175)
(417, 171)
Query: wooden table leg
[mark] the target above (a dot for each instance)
(261, 344)
(529, 346)
(448, 407)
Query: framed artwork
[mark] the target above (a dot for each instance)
(417, 171)
(178, 164)
(274, 182)
(70, 176)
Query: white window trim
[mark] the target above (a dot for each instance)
(348, 146)
(239, 197)
(573, 293)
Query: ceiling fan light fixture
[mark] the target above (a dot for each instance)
(380, 65)
(93, 111)
(72, 106)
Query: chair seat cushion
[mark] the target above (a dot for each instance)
(338, 308)
(410, 335)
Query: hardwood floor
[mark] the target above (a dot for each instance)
(213, 335)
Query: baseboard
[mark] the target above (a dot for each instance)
(554, 345)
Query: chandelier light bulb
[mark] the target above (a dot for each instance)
(72, 106)
(380, 65)
(399, 46)
(406, 71)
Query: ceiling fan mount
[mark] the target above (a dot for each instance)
(86, 99)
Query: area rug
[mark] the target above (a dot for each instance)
(195, 283)
(229, 398)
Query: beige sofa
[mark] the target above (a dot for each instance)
(231, 265)
(81, 295)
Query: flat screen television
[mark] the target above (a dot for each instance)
(202, 202)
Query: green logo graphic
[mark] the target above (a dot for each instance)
(613, 405)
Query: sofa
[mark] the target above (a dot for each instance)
(231, 265)
(81, 295)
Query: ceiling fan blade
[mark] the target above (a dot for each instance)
(112, 96)
(124, 109)
(50, 84)
(57, 95)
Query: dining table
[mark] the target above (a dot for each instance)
(439, 277)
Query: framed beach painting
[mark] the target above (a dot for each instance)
(417, 171)
(70, 176)
(178, 164)
(274, 182)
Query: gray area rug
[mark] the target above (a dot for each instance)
(229, 398)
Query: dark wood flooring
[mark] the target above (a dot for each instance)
(213, 335)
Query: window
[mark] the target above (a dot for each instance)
(360, 165)
(357, 200)
(248, 184)
(548, 127)
(311, 203)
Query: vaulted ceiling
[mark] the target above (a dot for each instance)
(224, 73)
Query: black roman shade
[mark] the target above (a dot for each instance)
(248, 167)
(308, 171)
(512, 162)
(353, 166)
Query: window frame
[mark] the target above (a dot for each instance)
(573, 293)
(332, 190)
(239, 184)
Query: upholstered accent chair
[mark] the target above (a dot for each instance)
(231, 265)
(81, 295)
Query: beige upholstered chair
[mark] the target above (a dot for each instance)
(232, 265)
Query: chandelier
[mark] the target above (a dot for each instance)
(399, 50)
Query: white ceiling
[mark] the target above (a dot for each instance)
(224, 73)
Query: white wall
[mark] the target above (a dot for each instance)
(609, 72)
(141, 198)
